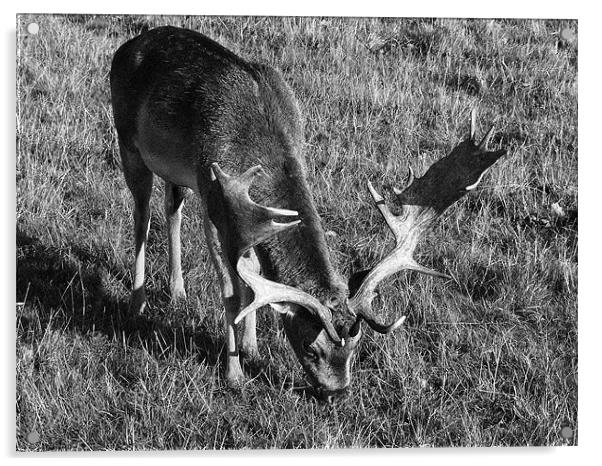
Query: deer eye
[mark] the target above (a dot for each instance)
(309, 351)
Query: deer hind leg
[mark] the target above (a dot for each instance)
(139, 180)
(231, 295)
(174, 202)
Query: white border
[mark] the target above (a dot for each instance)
(441, 8)
(589, 204)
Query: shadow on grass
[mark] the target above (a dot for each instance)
(67, 288)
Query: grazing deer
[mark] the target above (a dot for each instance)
(200, 117)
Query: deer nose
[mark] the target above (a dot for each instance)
(330, 396)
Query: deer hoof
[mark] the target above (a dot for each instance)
(178, 294)
(235, 381)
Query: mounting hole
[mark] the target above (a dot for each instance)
(33, 437)
(567, 34)
(33, 28)
(566, 433)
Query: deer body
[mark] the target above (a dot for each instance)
(182, 102)
(197, 103)
(201, 118)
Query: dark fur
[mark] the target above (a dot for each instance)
(241, 113)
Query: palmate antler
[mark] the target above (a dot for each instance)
(422, 203)
(243, 224)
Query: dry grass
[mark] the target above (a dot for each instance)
(489, 358)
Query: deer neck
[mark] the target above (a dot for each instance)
(299, 257)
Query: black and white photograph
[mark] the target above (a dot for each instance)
(295, 232)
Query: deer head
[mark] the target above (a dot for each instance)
(325, 334)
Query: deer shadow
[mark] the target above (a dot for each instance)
(66, 288)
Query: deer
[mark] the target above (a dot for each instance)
(231, 131)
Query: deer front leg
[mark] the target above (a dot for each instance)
(174, 201)
(249, 330)
(140, 182)
(231, 296)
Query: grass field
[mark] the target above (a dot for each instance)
(488, 358)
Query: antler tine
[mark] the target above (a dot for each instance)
(374, 325)
(244, 223)
(411, 177)
(473, 124)
(384, 210)
(243, 183)
(483, 144)
(472, 186)
(247, 177)
(219, 173)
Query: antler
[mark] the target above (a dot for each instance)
(422, 203)
(243, 224)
